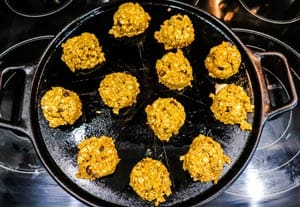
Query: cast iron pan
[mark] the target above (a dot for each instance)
(134, 139)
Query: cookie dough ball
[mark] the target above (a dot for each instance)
(205, 159)
(82, 52)
(176, 32)
(129, 20)
(223, 61)
(150, 179)
(61, 107)
(231, 104)
(165, 117)
(174, 70)
(97, 157)
(119, 90)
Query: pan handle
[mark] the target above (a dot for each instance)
(19, 120)
(269, 110)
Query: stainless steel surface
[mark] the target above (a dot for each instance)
(272, 178)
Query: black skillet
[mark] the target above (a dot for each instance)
(134, 140)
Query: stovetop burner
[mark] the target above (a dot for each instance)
(272, 178)
(273, 11)
(274, 168)
(33, 8)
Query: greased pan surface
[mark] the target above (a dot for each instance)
(134, 139)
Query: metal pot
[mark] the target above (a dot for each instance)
(57, 148)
